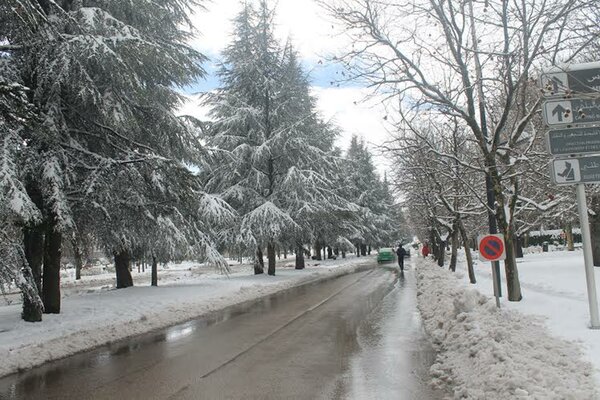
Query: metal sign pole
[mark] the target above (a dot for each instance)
(496, 279)
(587, 255)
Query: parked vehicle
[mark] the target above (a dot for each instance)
(385, 254)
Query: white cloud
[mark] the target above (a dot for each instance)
(302, 20)
(349, 109)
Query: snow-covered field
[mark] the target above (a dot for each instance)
(489, 354)
(93, 313)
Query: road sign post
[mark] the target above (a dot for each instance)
(575, 104)
(586, 238)
(492, 248)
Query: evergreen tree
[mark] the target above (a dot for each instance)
(271, 159)
(375, 226)
(109, 156)
(16, 207)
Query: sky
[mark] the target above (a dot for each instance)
(314, 36)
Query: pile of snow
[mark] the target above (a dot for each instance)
(486, 353)
(94, 318)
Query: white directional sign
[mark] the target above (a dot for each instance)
(558, 112)
(570, 171)
(573, 112)
(566, 171)
(571, 80)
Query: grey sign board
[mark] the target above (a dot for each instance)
(571, 80)
(571, 171)
(572, 112)
(574, 141)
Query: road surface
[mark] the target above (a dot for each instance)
(354, 337)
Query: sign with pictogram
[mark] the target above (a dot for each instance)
(573, 112)
(492, 248)
(572, 80)
(571, 171)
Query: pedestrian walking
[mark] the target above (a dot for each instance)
(401, 253)
(425, 251)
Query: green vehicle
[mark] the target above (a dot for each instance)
(385, 254)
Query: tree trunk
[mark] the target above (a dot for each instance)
(433, 248)
(78, 255)
(33, 241)
(358, 250)
(33, 244)
(299, 256)
(259, 264)
(343, 253)
(441, 253)
(505, 227)
(33, 308)
(518, 247)
(318, 254)
(465, 238)
(526, 240)
(271, 258)
(363, 249)
(122, 264)
(513, 284)
(34, 254)
(510, 267)
(51, 275)
(154, 281)
(329, 252)
(569, 237)
(454, 256)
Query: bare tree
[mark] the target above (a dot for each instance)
(473, 61)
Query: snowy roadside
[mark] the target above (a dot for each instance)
(489, 354)
(554, 289)
(89, 320)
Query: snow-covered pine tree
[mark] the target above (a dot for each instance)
(364, 187)
(17, 210)
(270, 159)
(102, 76)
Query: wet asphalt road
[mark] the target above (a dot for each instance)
(355, 337)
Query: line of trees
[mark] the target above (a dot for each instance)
(274, 161)
(92, 153)
(461, 75)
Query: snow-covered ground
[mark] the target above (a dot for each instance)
(486, 353)
(554, 288)
(93, 313)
